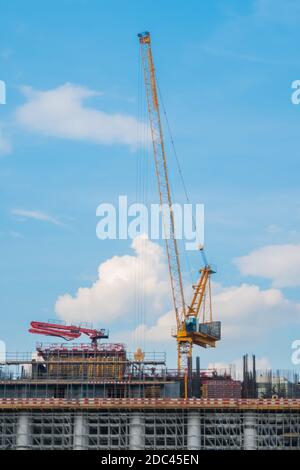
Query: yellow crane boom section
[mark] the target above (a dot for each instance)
(163, 179)
(187, 332)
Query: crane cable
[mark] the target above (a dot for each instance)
(181, 176)
(137, 189)
(141, 196)
(207, 296)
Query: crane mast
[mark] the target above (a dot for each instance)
(163, 181)
(186, 317)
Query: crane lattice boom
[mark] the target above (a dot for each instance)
(187, 332)
(163, 179)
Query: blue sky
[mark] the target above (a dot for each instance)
(225, 70)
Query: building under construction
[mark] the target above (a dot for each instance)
(99, 396)
(87, 397)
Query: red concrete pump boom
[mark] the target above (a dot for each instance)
(67, 332)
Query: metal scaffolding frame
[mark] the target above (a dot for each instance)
(221, 430)
(278, 430)
(152, 429)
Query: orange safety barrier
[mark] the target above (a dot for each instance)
(150, 403)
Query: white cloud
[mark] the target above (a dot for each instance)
(122, 282)
(159, 332)
(248, 312)
(244, 299)
(279, 263)
(60, 112)
(37, 215)
(153, 335)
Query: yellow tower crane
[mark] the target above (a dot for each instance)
(190, 328)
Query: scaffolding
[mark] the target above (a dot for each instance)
(151, 429)
(85, 371)
(109, 371)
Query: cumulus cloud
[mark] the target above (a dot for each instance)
(36, 215)
(248, 312)
(121, 280)
(160, 332)
(155, 334)
(60, 112)
(279, 263)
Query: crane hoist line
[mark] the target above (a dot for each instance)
(190, 329)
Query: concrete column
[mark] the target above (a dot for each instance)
(193, 431)
(80, 430)
(136, 432)
(250, 431)
(23, 432)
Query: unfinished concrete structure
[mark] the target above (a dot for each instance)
(81, 397)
